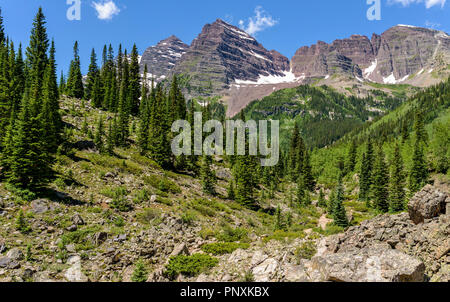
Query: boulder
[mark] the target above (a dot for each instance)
(266, 271)
(6, 262)
(74, 273)
(374, 264)
(427, 204)
(180, 249)
(77, 220)
(15, 254)
(40, 206)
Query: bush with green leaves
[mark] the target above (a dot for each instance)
(306, 251)
(120, 201)
(189, 266)
(22, 224)
(140, 273)
(222, 248)
(162, 183)
(228, 234)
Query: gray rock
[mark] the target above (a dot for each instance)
(180, 249)
(40, 206)
(6, 262)
(427, 204)
(2, 247)
(77, 220)
(74, 273)
(15, 254)
(266, 271)
(374, 264)
(72, 228)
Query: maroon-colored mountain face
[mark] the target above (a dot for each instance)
(223, 53)
(397, 55)
(163, 57)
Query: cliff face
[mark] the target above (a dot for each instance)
(395, 56)
(162, 58)
(223, 53)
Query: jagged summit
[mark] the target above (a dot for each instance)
(162, 58)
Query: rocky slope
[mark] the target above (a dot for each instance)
(223, 54)
(402, 54)
(389, 248)
(162, 58)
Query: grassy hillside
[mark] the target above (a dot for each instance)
(323, 114)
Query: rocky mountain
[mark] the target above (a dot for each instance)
(402, 54)
(223, 54)
(162, 58)
(226, 61)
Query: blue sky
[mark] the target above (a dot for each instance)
(284, 25)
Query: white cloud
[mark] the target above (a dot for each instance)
(258, 23)
(106, 9)
(428, 3)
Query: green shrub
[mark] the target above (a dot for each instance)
(306, 251)
(79, 238)
(331, 229)
(162, 183)
(140, 273)
(228, 234)
(21, 223)
(189, 217)
(222, 248)
(190, 266)
(148, 215)
(120, 201)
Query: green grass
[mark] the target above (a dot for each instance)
(190, 266)
(222, 248)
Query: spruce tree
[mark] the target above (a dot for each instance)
(92, 76)
(308, 178)
(207, 176)
(134, 82)
(339, 213)
(351, 158)
(419, 173)
(397, 193)
(124, 108)
(110, 139)
(37, 60)
(381, 183)
(75, 81)
(62, 84)
(49, 117)
(2, 29)
(366, 172)
(419, 127)
(29, 162)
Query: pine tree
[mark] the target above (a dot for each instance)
(308, 178)
(75, 81)
(2, 29)
(134, 90)
(49, 117)
(110, 142)
(62, 84)
(207, 176)
(230, 191)
(29, 162)
(366, 172)
(339, 213)
(301, 191)
(293, 153)
(124, 109)
(92, 76)
(419, 128)
(381, 183)
(397, 193)
(159, 144)
(322, 203)
(351, 158)
(419, 173)
(37, 60)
